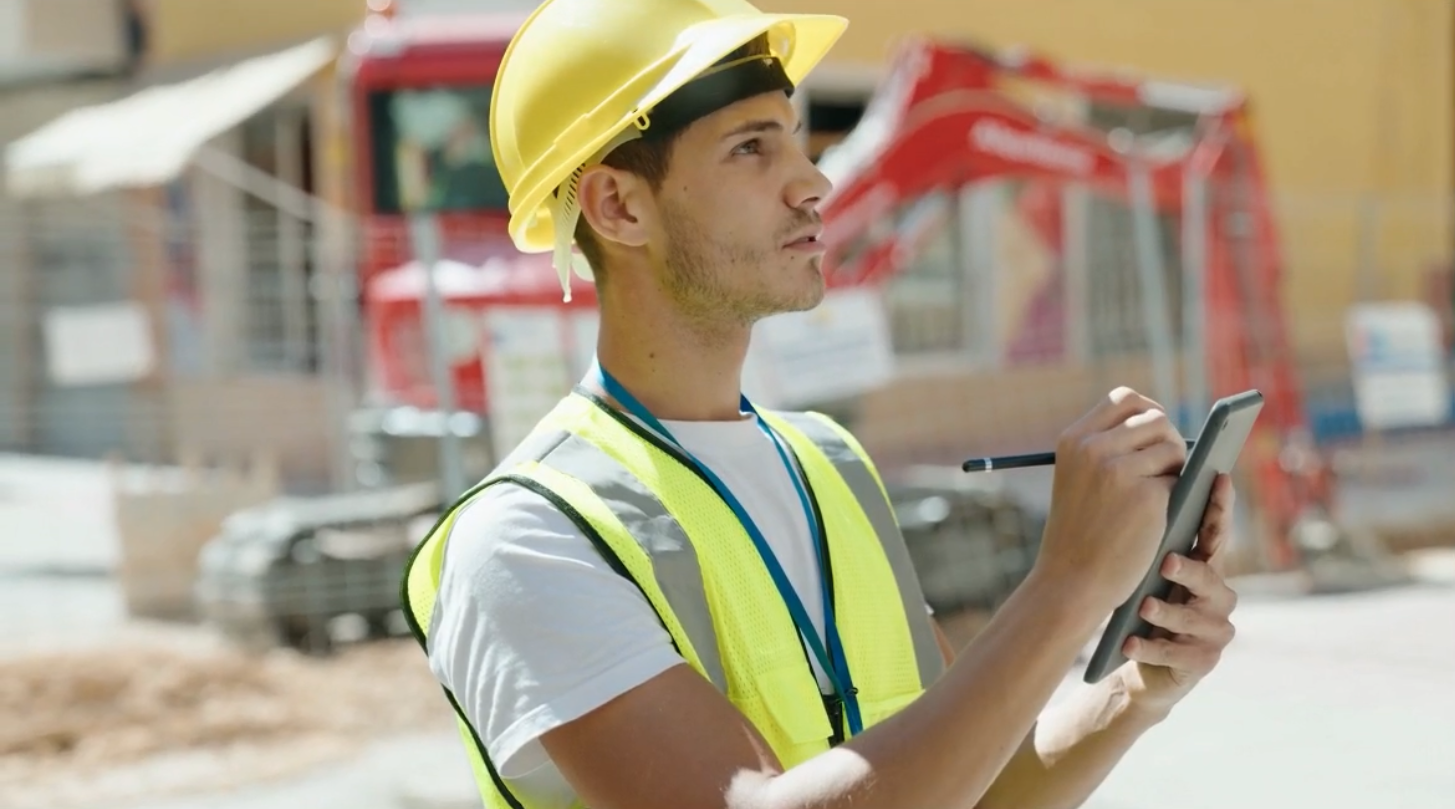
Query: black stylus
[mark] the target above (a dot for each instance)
(1016, 461)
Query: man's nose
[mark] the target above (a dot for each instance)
(809, 187)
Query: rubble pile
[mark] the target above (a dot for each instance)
(81, 716)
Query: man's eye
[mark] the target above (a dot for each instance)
(753, 146)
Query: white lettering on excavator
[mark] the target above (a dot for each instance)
(1001, 140)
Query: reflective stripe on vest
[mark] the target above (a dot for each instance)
(644, 511)
(674, 560)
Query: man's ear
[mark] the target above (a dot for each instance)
(613, 202)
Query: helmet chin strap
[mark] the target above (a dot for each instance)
(565, 209)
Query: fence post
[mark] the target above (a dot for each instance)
(335, 292)
(1074, 260)
(1153, 287)
(425, 238)
(1194, 298)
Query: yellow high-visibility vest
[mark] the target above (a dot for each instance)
(660, 524)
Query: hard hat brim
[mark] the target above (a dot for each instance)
(800, 41)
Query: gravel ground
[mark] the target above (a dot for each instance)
(170, 711)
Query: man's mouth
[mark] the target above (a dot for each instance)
(812, 239)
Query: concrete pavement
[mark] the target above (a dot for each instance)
(412, 772)
(1336, 703)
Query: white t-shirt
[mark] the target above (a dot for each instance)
(534, 629)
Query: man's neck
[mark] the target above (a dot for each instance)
(678, 369)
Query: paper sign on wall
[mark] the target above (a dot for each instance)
(839, 349)
(1399, 361)
(98, 345)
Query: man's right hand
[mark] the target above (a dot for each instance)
(1115, 468)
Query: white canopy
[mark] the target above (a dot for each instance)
(148, 138)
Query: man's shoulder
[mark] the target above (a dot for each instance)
(508, 529)
(507, 513)
(505, 498)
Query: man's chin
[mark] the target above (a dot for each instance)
(806, 294)
(818, 283)
(807, 300)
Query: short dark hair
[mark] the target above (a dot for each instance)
(648, 158)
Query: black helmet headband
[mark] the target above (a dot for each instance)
(719, 86)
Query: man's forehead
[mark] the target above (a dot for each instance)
(766, 112)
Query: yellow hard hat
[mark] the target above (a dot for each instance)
(580, 77)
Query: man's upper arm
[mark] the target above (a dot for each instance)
(533, 629)
(673, 743)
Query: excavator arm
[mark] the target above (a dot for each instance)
(943, 118)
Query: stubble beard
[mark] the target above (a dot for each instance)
(698, 268)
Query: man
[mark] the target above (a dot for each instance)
(667, 597)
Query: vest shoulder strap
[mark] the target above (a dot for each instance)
(629, 525)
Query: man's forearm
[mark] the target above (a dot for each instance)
(1076, 744)
(950, 745)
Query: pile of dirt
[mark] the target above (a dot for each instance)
(93, 715)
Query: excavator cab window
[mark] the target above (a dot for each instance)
(926, 299)
(1117, 319)
(942, 299)
(432, 150)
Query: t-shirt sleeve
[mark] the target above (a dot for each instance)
(532, 628)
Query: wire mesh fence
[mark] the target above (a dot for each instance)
(144, 332)
(191, 353)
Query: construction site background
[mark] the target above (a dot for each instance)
(178, 357)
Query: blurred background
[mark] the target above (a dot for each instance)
(231, 398)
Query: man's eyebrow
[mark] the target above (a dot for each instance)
(759, 125)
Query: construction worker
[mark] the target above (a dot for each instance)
(668, 597)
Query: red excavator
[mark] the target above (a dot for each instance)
(946, 117)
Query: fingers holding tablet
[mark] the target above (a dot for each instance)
(1198, 521)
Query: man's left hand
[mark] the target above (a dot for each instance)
(1192, 625)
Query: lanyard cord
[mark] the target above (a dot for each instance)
(833, 661)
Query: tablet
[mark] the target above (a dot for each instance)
(1215, 451)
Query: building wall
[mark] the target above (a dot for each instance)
(1352, 101)
(252, 388)
(183, 31)
(44, 40)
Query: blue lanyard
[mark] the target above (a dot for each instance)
(832, 660)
